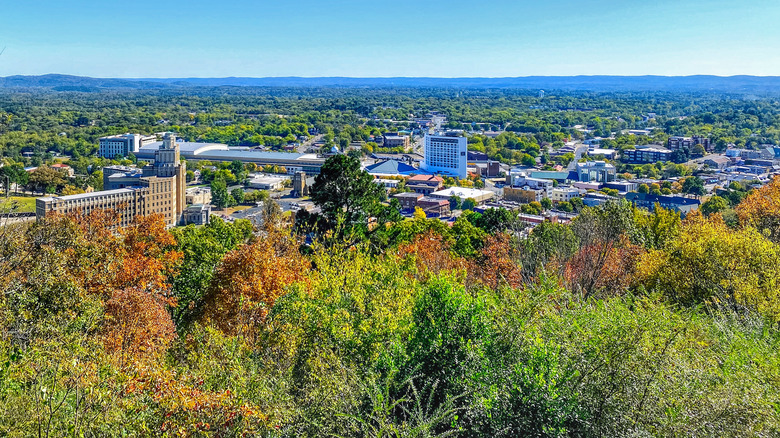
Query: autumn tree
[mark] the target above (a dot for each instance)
(710, 263)
(250, 279)
(761, 209)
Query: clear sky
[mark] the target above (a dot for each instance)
(456, 38)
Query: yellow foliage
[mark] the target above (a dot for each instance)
(709, 263)
(761, 209)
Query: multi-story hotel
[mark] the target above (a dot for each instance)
(123, 145)
(157, 188)
(446, 154)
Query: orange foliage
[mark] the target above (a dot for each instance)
(251, 278)
(496, 264)
(137, 325)
(190, 410)
(149, 256)
(603, 267)
(432, 255)
(761, 209)
(129, 269)
(620, 270)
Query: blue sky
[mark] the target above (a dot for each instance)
(197, 38)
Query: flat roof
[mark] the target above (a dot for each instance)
(184, 147)
(221, 152)
(89, 195)
(462, 192)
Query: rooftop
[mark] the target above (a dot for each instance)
(392, 167)
(462, 192)
(89, 195)
(425, 178)
(221, 152)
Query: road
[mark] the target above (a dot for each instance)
(578, 152)
(308, 143)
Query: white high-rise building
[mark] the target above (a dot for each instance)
(446, 154)
(123, 145)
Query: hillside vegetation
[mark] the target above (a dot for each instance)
(624, 323)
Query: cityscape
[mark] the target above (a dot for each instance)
(302, 219)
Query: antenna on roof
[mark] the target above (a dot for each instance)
(1, 51)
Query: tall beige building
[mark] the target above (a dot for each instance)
(158, 188)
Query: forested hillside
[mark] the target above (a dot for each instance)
(624, 323)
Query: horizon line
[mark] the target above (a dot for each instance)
(398, 77)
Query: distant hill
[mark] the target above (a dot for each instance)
(74, 83)
(731, 84)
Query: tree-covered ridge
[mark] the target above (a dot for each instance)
(624, 323)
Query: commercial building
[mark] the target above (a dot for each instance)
(392, 168)
(157, 188)
(489, 170)
(393, 140)
(608, 154)
(446, 154)
(675, 143)
(677, 203)
(622, 186)
(292, 162)
(198, 195)
(122, 145)
(387, 183)
(646, 155)
(480, 196)
(425, 184)
(430, 205)
(434, 206)
(519, 179)
(595, 171)
(198, 214)
(408, 200)
(595, 199)
(563, 194)
(262, 182)
(523, 194)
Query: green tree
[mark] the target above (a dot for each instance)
(693, 185)
(220, 196)
(202, 249)
(468, 204)
(455, 202)
(715, 204)
(238, 195)
(527, 160)
(348, 195)
(44, 179)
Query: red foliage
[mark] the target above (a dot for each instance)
(432, 255)
(603, 267)
(496, 265)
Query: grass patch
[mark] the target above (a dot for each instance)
(20, 204)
